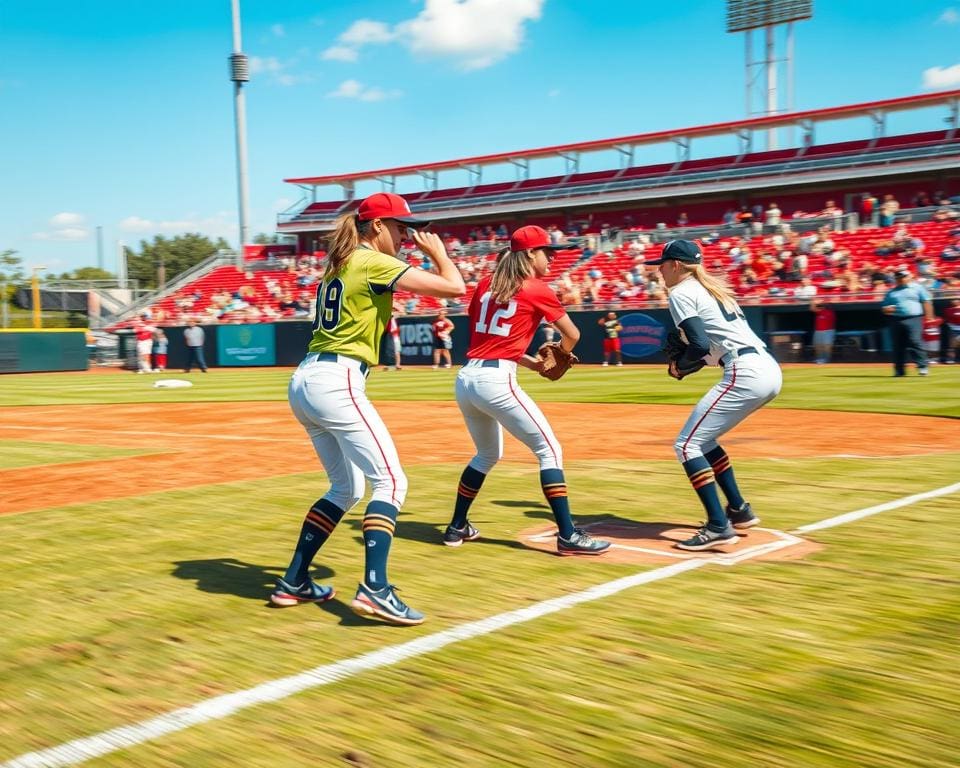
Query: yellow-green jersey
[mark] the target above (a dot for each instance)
(354, 306)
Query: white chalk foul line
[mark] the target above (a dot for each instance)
(217, 708)
(859, 514)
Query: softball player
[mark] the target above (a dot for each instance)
(504, 315)
(705, 310)
(327, 395)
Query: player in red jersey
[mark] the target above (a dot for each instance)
(505, 312)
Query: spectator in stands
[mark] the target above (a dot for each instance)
(193, 337)
(868, 209)
(683, 220)
(807, 289)
(772, 218)
(744, 219)
(824, 331)
(831, 210)
(951, 251)
(906, 305)
(729, 217)
(945, 213)
(888, 210)
(922, 200)
(952, 317)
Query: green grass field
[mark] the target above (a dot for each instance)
(120, 611)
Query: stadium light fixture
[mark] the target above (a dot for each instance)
(746, 16)
(240, 75)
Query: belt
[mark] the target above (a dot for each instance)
(731, 356)
(333, 357)
(477, 363)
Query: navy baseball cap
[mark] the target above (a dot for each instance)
(684, 251)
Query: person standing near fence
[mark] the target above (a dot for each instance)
(906, 305)
(144, 335)
(327, 395)
(193, 337)
(824, 331)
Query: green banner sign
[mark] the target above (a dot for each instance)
(246, 344)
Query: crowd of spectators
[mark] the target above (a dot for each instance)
(771, 255)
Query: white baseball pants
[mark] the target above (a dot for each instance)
(329, 399)
(490, 399)
(748, 383)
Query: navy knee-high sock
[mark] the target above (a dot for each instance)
(700, 474)
(379, 523)
(724, 473)
(316, 529)
(555, 491)
(470, 483)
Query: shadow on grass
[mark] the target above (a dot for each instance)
(228, 576)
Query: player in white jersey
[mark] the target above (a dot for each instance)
(704, 309)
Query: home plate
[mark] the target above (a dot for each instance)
(654, 543)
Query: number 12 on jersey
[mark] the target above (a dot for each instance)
(495, 325)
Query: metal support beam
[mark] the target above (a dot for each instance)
(879, 120)
(746, 141)
(387, 183)
(572, 160)
(807, 133)
(683, 148)
(430, 179)
(523, 167)
(475, 173)
(626, 154)
(771, 62)
(953, 118)
(349, 190)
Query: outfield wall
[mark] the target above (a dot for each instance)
(862, 336)
(27, 351)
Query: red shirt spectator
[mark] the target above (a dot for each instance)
(825, 320)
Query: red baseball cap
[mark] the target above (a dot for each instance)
(386, 205)
(530, 237)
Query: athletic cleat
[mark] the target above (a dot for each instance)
(454, 537)
(286, 595)
(707, 538)
(743, 517)
(385, 604)
(581, 543)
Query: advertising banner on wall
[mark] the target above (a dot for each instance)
(246, 345)
(642, 335)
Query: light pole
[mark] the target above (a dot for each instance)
(240, 74)
(35, 284)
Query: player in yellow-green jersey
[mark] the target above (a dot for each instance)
(328, 396)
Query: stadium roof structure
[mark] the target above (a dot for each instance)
(876, 111)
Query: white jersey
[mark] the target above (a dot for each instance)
(726, 330)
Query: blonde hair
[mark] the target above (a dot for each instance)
(513, 267)
(716, 285)
(344, 241)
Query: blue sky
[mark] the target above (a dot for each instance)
(120, 114)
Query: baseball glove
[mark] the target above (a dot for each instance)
(555, 360)
(675, 348)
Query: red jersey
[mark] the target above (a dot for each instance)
(825, 320)
(442, 328)
(143, 332)
(952, 316)
(504, 331)
(931, 329)
(393, 327)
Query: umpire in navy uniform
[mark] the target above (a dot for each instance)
(906, 305)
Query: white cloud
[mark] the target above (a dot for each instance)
(949, 16)
(65, 226)
(365, 32)
(66, 219)
(221, 224)
(339, 53)
(352, 89)
(65, 234)
(276, 70)
(478, 33)
(278, 30)
(941, 78)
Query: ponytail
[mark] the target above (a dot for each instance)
(513, 267)
(716, 286)
(344, 241)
